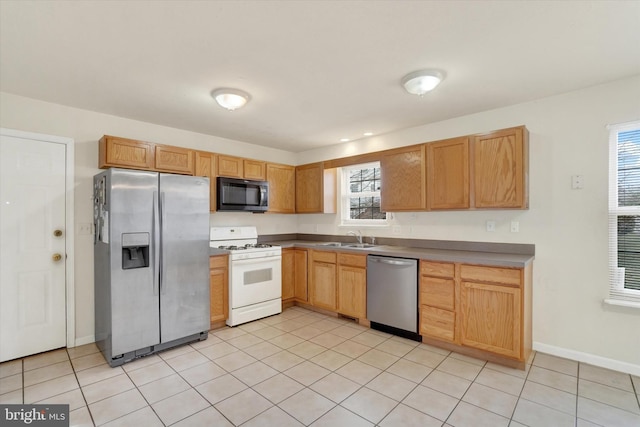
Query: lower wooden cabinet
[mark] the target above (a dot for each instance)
(301, 289)
(438, 300)
(484, 309)
(294, 275)
(322, 280)
(219, 287)
(288, 274)
(352, 285)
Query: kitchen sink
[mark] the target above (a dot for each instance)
(333, 244)
(359, 245)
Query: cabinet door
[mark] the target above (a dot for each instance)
(174, 159)
(448, 174)
(301, 267)
(219, 288)
(205, 164)
(288, 274)
(501, 169)
(282, 188)
(403, 178)
(309, 188)
(323, 285)
(125, 153)
(254, 169)
(230, 166)
(491, 316)
(352, 291)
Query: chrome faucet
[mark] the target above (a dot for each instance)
(357, 235)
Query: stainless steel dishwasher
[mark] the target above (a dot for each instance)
(392, 295)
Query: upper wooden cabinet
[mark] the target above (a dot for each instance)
(125, 153)
(282, 188)
(232, 167)
(501, 168)
(448, 174)
(402, 173)
(174, 159)
(315, 189)
(255, 169)
(237, 167)
(205, 165)
(133, 154)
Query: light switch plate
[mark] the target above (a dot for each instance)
(577, 182)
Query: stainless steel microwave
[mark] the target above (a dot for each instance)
(243, 195)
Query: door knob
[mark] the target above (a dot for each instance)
(56, 257)
(57, 233)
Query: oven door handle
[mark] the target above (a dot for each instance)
(255, 261)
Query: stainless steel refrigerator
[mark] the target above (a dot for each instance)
(151, 262)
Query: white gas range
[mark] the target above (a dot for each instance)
(255, 273)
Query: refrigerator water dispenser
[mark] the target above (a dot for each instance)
(135, 250)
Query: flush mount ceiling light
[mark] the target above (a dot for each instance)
(422, 81)
(231, 99)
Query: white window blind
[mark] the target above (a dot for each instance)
(361, 195)
(624, 214)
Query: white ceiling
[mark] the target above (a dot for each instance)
(318, 71)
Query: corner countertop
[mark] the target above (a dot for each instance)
(469, 257)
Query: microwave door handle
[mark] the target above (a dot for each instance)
(263, 193)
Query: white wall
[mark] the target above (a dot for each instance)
(86, 128)
(568, 136)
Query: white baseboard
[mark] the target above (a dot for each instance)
(85, 340)
(591, 359)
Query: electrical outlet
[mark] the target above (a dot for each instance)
(397, 229)
(85, 228)
(515, 227)
(315, 228)
(491, 226)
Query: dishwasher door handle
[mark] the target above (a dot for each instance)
(391, 261)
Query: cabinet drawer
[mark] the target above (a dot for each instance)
(437, 292)
(438, 269)
(324, 256)
(508, 276)
(354, 260)
(218, 261)
(437, 323)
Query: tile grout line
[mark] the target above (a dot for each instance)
(75, 374)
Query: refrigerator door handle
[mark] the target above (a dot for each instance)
(163, 264)
(155, 246)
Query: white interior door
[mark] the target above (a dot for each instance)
(32, 246)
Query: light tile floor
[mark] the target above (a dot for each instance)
(305, 368)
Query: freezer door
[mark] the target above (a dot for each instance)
(184, 271)
(134, 294)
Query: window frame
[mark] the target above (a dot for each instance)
(618, 293)
(346, 194)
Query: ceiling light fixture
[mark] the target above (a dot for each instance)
(422, 81)
(231, 99)
(344, 140)
(367, 134)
